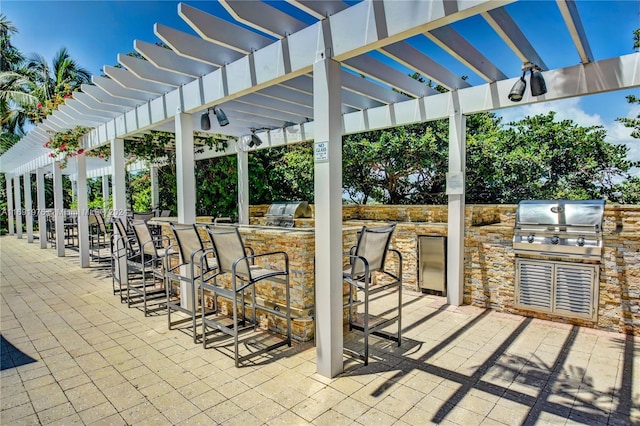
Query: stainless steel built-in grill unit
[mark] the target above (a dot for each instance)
(567, 229)
(558, 247)
(283, 213)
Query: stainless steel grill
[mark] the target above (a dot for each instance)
(567, 230)
(283, 213)
(559, 228)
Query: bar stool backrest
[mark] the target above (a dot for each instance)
(229, 247)
(189, 241)
(373, 244)
(143, 235)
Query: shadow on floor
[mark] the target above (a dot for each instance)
(12, 356)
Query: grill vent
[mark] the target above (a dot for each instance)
(535, 285)
(557, 287)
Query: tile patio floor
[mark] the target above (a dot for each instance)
(73, 354)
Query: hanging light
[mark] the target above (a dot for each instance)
(517, 91)
(538, 86)
(221, 116)
(254, 140)
(205, 122)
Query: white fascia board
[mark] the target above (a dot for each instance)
(168, 60)
(117, 90)
(145, 70)
(304, 46)
(128, 80)
(319, 9)
(219, 31)
(510, 33)
(196, 48)
(412, 58)
(101, 96)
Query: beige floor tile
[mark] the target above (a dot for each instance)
(332, 418)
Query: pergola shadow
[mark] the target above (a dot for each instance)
(549, 386)
(12, 356)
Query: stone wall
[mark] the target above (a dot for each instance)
(490, 262)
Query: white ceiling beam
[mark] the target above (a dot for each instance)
(128, 80)
(263, 17)
(147, 71)
(278, 105)
(73, 118)
(219, 31)
(510, 33)
(382, 72)
(412, 58)
(319, 9)
(95, 105)
(252, 108)
(364, 87)
(87, 111)
(116, 90)
(195, 47)
(569, 12)
(455, 45)
(169, 60)
(103, 97)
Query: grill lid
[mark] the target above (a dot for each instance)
(559, 228)
(579, 213)
(282, 213)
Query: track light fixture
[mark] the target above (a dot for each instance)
(221, 116)
(538, 85)
(254, 140)
(205, 122)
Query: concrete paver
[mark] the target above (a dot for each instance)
(73, 354)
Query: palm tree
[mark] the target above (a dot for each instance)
(10, 56)
(61, 78)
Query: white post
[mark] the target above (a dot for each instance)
(58, 208)
(28, 206)
(243, 186)
(185, 173)
(10, 212)
(456, 207)
(83, 210)
(328, 216)
(155, 193)
(16, 189)
(42, 219)
(118, 185)
(105, 192)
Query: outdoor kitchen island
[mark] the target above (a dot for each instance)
(299, 244)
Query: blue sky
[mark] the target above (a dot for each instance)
(94, 32)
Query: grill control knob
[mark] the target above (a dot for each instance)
(580, 241)
(555, 239)
(531, 238)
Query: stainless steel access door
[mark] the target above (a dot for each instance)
(432, 263)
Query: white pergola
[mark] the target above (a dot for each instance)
(316, 79)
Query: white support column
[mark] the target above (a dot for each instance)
(119, 198)
(105, 192)
(10, 212)
(243, 186)
(456, 204)
(28, 206)
(155, 194)
(328, 216)
(16, 189)
(42, 219)
(118, 186)
(83, 210)
(185, 169)
(58, 208)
